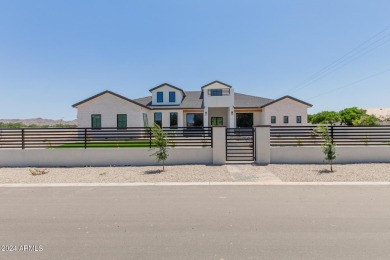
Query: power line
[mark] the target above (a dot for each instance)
(350, 84)
(347, 58)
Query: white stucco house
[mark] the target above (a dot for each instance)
(215, 104)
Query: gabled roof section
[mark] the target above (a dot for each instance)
(112, 93)
(169, 85)
(290, 97)
(216, 81)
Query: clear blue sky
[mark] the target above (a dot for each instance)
(56, 53)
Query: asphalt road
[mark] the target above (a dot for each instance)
(197, 222)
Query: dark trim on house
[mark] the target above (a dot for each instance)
(169, 85)
(173, 108)
(112, 93)
(216, 81)
(290, 97)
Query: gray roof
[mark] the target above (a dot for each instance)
(242, 100)
(194, 99)
(108, 92)
(169, 85)
(290, 97)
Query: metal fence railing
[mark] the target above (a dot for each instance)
(132, 137)
(341, 135)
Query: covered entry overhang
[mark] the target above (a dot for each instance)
(222, 116)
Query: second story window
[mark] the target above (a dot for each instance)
(172, 96)
(273, 119)
(215, 92)
(285, 119)
(160, 97)
(299, 119)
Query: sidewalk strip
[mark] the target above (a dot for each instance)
(137, 184)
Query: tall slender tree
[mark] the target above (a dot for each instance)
(160, 142)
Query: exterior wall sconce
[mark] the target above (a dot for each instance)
(232, 112)
(205, 113)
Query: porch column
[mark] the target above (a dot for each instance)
(219, 145)
(231, 116)
(263, 147)
(206, 116)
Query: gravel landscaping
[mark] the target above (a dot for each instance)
(179, 173)
(379, 172)
(374, 172)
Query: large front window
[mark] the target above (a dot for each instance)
(244, 119)
(194, 119)
(173, 119)
(96, 121)
(158, 118)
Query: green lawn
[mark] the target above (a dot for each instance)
(109, 144)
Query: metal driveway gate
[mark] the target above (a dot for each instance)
(240, 143)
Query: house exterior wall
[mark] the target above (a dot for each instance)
(218, 112)
(218, 101)
(285, 107)
(109, 106)
(166, 89)
(166, 117)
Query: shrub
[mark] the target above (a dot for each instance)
(36, 171)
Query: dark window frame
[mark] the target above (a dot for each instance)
(299, 119)
(170, 119)
(216, 92)
(273, 119)
(93, 122)
(121, 123)
(285, 119)
(172, 98)
(197, 118)
(244, 119)
(160, 97)
(216, 118)
(159, 122)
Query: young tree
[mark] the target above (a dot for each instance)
(328, 147)
(160, 142)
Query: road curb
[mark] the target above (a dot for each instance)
(140, 184)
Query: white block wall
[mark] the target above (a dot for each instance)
(99, 157)
(345, 154)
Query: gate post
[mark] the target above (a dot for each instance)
(219, 145)
(262, 144)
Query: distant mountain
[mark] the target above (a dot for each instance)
(39, 121)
